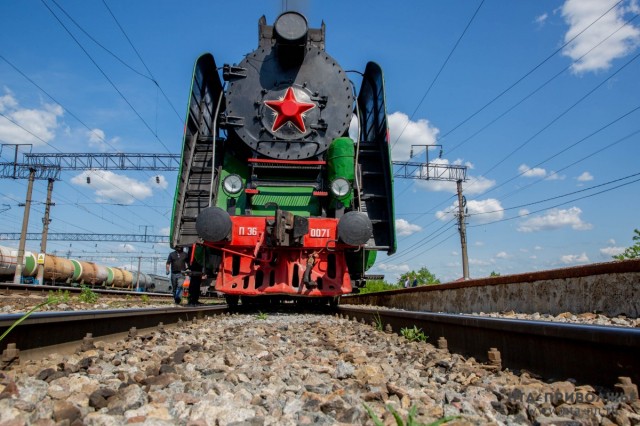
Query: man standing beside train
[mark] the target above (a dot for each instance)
(177, 264)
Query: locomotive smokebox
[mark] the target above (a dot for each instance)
(291, 31)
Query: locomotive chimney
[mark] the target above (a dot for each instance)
(291, 30)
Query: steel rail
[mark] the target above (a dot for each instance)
(591, 354)
(44, 329)
(8, 287)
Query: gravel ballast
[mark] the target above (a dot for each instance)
(286, 369)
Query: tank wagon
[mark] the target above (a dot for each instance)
(60, 270)
(272, 194)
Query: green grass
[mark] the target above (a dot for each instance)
(378, 321)
(25, 316)
(409, 421)
(262, 315)
(144, 298)
(87, 295)
(377, 285)
(58, 296)
(414, 334)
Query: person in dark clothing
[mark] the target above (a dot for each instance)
(415, 283)
(177, 265)
(204, 268)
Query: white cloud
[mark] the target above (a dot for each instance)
(165, 231)
(480, 211)
(473, 186)
(420, 132)
(527, 171)
(394, 268)
(98, 139)
(113, 187)
(127, 248)
(537, 248)
(540, 20)
(574, 258)
(612, 251)
(581, 13)
(478, 262)
(502, 255)
(33, 125)
(523, 212)
(556, 219)
(555, 176)
(585, 177)
(478, 243)
(7, 101)
(612, 242)
(404, 228)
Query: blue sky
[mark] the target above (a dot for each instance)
(549, 134)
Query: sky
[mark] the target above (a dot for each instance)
(538, 98)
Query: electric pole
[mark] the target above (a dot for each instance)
(25, 224)
(439, 172)
(138, 275)
(463, 231)
(45, 230)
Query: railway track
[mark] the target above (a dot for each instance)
(596, 355)
(8, 288)
(63, 331)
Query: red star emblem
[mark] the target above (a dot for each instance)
(289, 110)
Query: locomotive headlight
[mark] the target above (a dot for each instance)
(232, 184)
(340, 187)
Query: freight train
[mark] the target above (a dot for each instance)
(62, 271)
(273, 197)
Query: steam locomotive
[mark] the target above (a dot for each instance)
(273, 198)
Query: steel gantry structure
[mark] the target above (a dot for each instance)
(69, 236)
(50, 165)
(440, 172)
(105, 161)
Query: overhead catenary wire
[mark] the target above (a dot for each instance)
(530, 94)
(610, 145)
(395, 259)
(104, 74)
(549, 124)
(153, 78)
(55, 148)
(426, 239)
(67, 110)
(560, 204)
(600, 129)
(453, 49)
(528, 73)
(536, 90)
(563, 113)
(533, 203)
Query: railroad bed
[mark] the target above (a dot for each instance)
(611, 289)
(285, 369)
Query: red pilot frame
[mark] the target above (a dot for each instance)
(250, 267)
